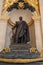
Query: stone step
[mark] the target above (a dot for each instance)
(20, 47)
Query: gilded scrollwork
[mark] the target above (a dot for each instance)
(7, 3)
(21, 5)
(33, 3)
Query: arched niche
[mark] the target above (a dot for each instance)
(27, 16)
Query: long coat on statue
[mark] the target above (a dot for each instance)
(21, 34)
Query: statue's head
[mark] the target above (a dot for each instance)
(20, 18)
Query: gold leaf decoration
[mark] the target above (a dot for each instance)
(34, 3)
(8, 3)
(21, 4)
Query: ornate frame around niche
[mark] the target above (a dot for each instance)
(33, 3)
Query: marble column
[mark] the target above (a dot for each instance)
(38, 33)
(3, 26)
(3, 29)
(41, 12)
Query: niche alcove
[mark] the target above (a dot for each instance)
(27, 16)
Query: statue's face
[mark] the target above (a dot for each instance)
(20, 18)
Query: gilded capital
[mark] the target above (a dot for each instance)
(5, 18)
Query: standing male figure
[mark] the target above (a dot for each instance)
(21, 34)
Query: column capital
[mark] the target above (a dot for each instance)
(4, 18)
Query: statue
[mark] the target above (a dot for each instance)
(20, 32)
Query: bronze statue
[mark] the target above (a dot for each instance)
(20, 32)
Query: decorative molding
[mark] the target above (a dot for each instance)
(6, 50)
(20, 60)
(33, 3)
(7, 3)
(33, 50)
(21, 5)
